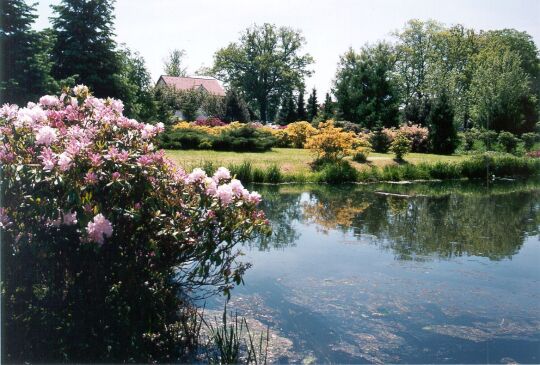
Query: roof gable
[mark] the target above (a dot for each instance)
(211, 85)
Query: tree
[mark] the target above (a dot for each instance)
(415, 53)
(364, 87)
(501, 92)
(136, 84)
(84, 46)
(236, 108)
(301, 113)
(173, 65)
(265, 63)
(312, 105)
(287, 112)
(327, 111)
(25, 63)
(442, 132)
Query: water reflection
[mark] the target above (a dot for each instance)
(415, 221)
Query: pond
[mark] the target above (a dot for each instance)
(418, 273)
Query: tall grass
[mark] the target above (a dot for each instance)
(486, 165)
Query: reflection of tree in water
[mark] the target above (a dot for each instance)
(282, 208)
(445, 225)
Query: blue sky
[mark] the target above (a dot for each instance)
(154, 27)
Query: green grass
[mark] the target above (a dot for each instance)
(293, 165)
(290, 160)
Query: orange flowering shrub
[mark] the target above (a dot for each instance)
(331, 143)
(299, 132)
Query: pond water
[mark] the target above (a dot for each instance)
(417, 273)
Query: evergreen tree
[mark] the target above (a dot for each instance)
(312, 105)
(236, 108)
(364, 87)
(328, 108)
(442, 132)
(24, 55)
(301, 113)
(287, 112)
(84, 46)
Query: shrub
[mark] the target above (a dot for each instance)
(104, 239)
(187, 139)
(331, 143)
(380, 141)
(400, 146)
(469, 137)
(299, 132)
(488, 137)
(244, 138)
(338, 172)
(418, 135)
(349, 126)
(529, 139)
(508, 141)
(208, 122)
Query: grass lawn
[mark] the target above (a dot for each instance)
(290, 160)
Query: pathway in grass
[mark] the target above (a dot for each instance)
(289, 160)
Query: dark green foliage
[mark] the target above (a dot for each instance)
(337, 173)
(529, 139)
(508, 141)
(442, 133)
(244, 139)
(243, 172)
(488, 137)
(328, 108)
(186, 139)
(349, 126)
(301, 113)
(236, 108)
(469, 137)
(379, 141)
(84, 45)
(417, 111)
(312, 105)
(364, 89)
(359, 157)
(287, 112)
(273, 175)
(25, 62)
(266, 62)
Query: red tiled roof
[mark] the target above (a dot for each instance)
(187, 83)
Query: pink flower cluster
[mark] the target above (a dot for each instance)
(85, 146)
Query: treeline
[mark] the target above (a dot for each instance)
(444, 78)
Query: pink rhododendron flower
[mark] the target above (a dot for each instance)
(99, 228)
(48, 159)
(145, 160)
(225, 194)
(197, 175)
(237, 187)
(49, 100)
(46, 135)
(254, 197)
(64, 161)
(210, 185)
(90, 178)
(222, 173)
(95, 159)
(115, 175)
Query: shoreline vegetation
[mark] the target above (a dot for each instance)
(292, 166)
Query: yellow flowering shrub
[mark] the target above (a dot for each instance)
(331, 143)
(299, 132)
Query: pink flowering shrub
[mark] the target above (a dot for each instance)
(208, 122)
(104, 240)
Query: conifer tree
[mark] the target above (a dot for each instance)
(312, 106)
(442, 132)
(301, 113)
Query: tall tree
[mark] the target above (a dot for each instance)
(312, 105)
(25, 63)
(84, 47)
(265, 63)
(364, 87)
(501, 92)
(327, 111)
(173, 65)
(415, 52)
(301, 113)
(236, 108)
(442, 132)
(287, 112)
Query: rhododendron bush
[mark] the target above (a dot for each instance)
(104, 240)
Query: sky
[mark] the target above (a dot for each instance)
(201, 27)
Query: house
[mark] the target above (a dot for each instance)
(208, 84)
